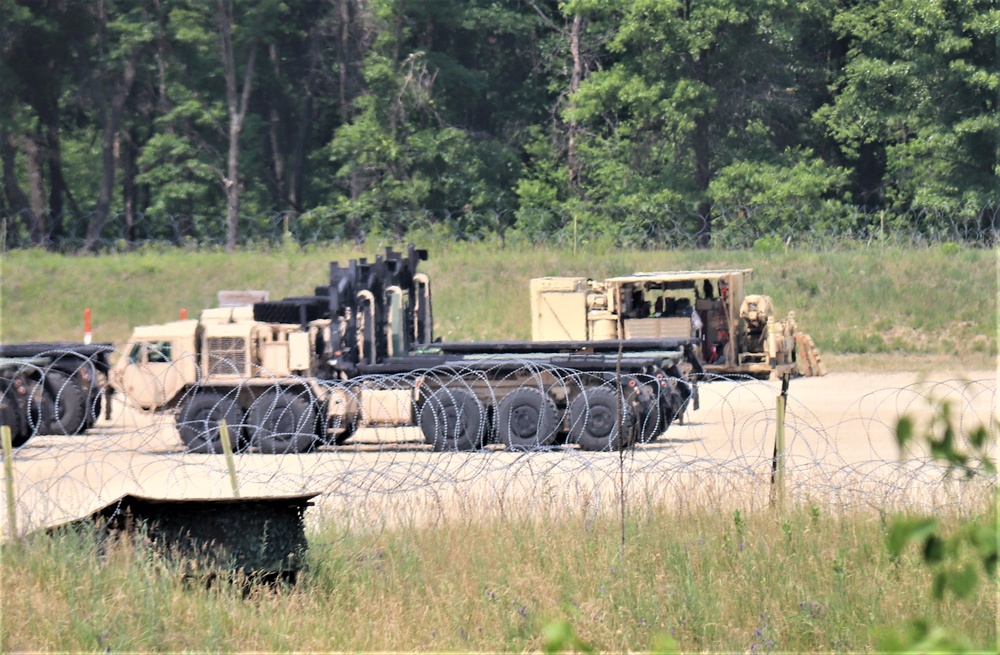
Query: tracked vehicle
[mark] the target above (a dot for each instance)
(309, 371)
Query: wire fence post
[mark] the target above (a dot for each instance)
(8, 479)
(227, 449)
(778, 460)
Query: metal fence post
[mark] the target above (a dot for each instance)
(778, 460)
(227, 449)
(8, 478)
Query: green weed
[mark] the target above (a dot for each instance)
(702, 581)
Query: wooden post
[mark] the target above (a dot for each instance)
(778, 460)
(227, 449)
(8, 478)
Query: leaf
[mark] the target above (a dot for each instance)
(904, 431)
(665, 645)
(939, 584)
(964, 581)
(905, 530)
(934, 549)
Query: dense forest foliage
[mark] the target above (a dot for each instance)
(131, 119)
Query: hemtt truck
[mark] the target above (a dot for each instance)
(735, 333)
(289, 375)
(52, 388)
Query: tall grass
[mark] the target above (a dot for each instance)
(714, 582)
(931, 302)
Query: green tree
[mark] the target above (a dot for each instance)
(688, 89)
(124, 34)
(449, 98)
(45, 54)
(916, 107)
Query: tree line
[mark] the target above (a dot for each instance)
(603, 112)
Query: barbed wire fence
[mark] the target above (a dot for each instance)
(825, 226)
(74, 452)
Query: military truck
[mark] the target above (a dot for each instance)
(291, 375)
(735, 333)
(52, 388)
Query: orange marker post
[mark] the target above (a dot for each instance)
(87, 334)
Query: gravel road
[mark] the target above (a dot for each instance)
(840, 452)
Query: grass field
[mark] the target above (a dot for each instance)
(931, 302)
(713, 583)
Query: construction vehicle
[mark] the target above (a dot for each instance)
(736, 333)
(291, 375)
(52, 388)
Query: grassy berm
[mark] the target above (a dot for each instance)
(936, 304)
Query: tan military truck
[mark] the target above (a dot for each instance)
(292, 374)
(735, 332)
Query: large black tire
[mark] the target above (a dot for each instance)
(526, 418)
(281, 421)
(11, 416)
(198, 422)
(593, 421)
(68, 414)
(453, 419)
(661, 409)
(94, 407)
(652, 422)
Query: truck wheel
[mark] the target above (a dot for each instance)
(652, 422)
(198, 422)
(527, 418)
(281, 421)
(94, 405)
(10, 415)
(659, 412)
(452, 419)
(593, 418)
(68, 414)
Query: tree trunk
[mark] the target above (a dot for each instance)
(57, 183)
(17, 202)
(702, 146)
(109, 153)
(130, 169)
(237, 102)
(574, 85)
(299, 154)
(344, 50)
(36, 187)
(275, 129)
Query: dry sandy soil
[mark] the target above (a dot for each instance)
(840, 453)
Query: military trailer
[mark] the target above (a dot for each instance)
(309, 371)
(733, 332)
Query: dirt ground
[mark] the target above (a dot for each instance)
(840, 452)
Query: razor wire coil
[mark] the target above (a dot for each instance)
(717, 457)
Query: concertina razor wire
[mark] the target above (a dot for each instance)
(459, 457)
